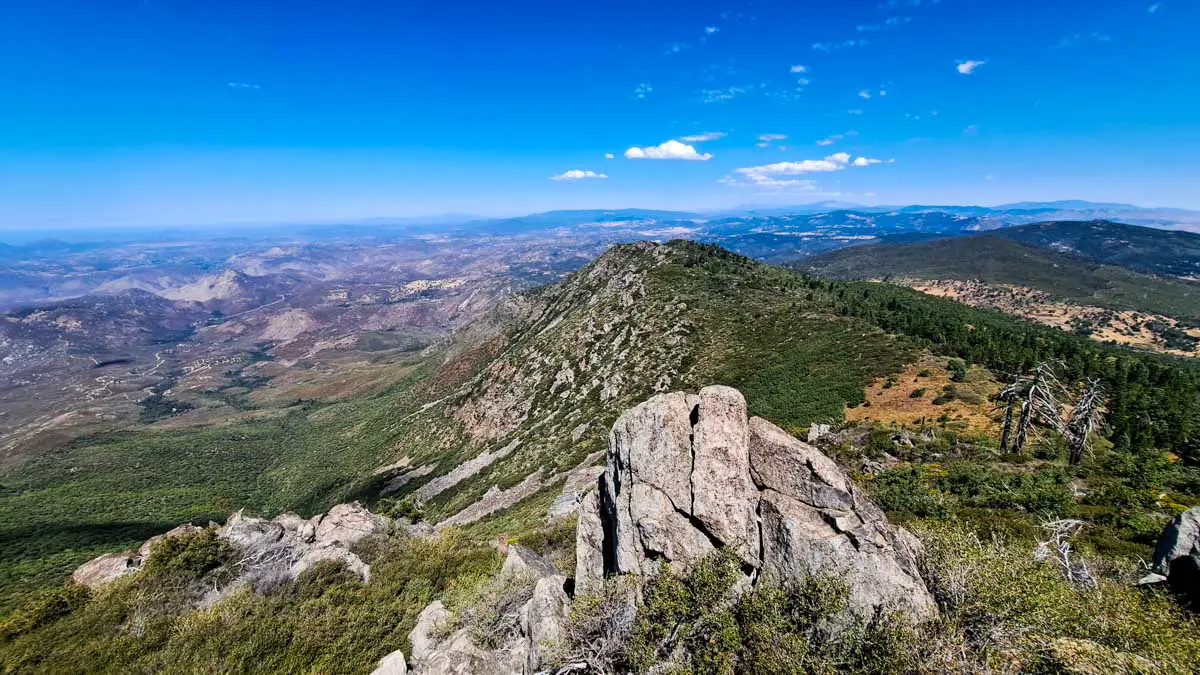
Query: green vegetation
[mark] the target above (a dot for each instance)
(326, 622)
(1149, 249)
(1003, 611)
(800, 348)
(994, 260)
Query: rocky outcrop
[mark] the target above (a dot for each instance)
(111, 566)
(690, 473)
(270, 550)
(539, 622)
(1177, 556)
(577, 485)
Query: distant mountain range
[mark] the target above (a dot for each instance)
(1100, 263)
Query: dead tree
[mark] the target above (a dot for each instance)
(1086, 416)
(1058, 548)
(1009, 398)
(1041, 404)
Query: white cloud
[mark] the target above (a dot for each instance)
(669, 150)
(608, 155)
(782, 174)
(242, 85)
(642, 90)
(803, 81)
(864, 94)
(967, 67)
(705, 136)
(833, 46)
(709, 30)
(577, 174)
(799, 69)
(1075, 38)
(773, 137)
(834, 138)
(883, 92)
(1153, 9)
(715, 95)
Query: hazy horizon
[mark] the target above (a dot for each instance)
(124, 113)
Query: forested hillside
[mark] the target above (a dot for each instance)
(484, 429)
(994, 259)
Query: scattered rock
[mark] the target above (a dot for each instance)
(392, 664)
(687, 474)
(817, 431)
(270, 550)
(108, 567)
(1177, 555)
(578, 483)
(111, 566)
(539, 620)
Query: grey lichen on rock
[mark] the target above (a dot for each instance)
(690, 473)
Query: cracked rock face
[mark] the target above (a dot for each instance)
(690, 473)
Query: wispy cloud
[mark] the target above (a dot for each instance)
(1153, 9)
(834, 138)
(676, 47)
(967, 67)
(709, 30)
(864, 94)
(715, 95)
(834, 46)
(1076, 38)
(783, 174)
(242, 85)
(799, 69)
(609, 155)
(578, 174)
(891, 22)
(642, 90)
(854, 111)
(704, 136)
(669, 150)
(765, 140)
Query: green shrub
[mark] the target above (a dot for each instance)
(907, 490)
(50, 606)
(917, 393)
(1013, 611)
(191, 555)
(958, 370)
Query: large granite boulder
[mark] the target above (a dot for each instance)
(1177, 555)
(539, 622)
(690, 473)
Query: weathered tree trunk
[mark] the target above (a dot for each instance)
(1023, 427)
(1086, 417)
(1008, 421)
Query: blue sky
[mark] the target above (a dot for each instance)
(147, 112)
